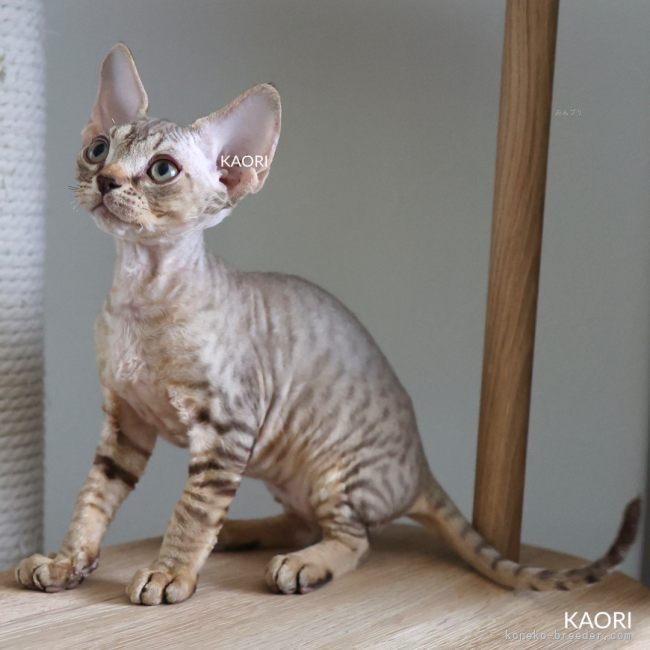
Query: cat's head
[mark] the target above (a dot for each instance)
(146, 179)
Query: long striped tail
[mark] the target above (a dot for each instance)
(436, 511)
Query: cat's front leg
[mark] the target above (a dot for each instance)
(219, 455)
(120, 460)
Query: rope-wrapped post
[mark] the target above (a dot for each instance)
(22, 242)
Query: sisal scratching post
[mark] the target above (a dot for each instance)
(519, 187)
(22, 208)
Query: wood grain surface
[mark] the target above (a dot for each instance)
(520, 181)
(411, 593)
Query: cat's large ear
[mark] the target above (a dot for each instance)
(241, 138)
(121, 96)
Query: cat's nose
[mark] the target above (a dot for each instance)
(106, 183)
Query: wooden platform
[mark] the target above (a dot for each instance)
(411, 593)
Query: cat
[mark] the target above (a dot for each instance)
(259, 374)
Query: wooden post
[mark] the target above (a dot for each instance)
(520, 181)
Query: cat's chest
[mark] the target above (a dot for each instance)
(130, 357)
(138, 361)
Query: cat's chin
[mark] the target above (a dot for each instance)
(108, 221)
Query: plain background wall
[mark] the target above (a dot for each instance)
(381, 191)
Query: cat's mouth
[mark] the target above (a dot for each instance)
(107, 214)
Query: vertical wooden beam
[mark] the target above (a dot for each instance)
(520, 182)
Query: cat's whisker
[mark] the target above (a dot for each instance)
(148, 223)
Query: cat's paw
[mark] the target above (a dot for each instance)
(54, 573)
(290, 574)
(156, 585)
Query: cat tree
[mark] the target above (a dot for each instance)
(412, 592)
(22, 242)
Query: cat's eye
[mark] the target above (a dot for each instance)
(163, 170)
(97, 151)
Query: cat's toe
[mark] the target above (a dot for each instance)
(28, 567)
(156, 586)
(52, 574)
(311, 577)
(290, 574)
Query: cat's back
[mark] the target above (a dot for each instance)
(298, 311)
(313, 340)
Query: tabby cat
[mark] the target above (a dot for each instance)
(259, 374)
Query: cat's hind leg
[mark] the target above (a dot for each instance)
(287, 530)
(344, 544)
